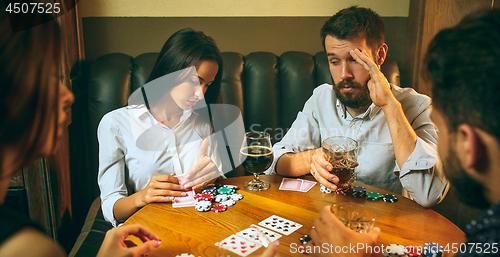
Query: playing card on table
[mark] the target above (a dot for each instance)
(253, 235)
(280, 225)
(185, 201)
(238, 245)
(291, 184)
(307, 185)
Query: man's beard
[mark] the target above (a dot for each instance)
(353, 100)
(469, 191)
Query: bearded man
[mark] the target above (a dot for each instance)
(396, 139)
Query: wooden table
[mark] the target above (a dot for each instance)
(185, 230)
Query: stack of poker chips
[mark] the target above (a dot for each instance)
(359, 191)
(433, 250)
(224, 196)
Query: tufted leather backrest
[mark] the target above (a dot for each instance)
(269, 90)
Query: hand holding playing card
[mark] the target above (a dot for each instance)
(203, 171)
(160, 189)
(330, 230)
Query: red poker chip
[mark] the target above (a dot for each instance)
(204, 197)
(219, 208)
(413, 251)
(343, 190)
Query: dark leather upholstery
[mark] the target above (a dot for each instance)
(269, 90)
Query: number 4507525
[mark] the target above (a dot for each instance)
(33, 7)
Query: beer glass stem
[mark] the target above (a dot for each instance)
(256, 177)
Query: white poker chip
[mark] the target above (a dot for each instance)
(221, 198)
(204, 203)
(185, 255)
(236, 197)
(324, 189)
(228, 203)
(395, 250)
(232, 186)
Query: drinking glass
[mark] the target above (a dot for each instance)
(342, 153)
(256, 156)
(354, 216)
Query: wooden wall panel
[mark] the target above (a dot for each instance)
(426, 18)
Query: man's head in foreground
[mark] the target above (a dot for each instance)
(463, 66)
(353, 28)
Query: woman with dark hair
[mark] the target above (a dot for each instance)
(34, 107)
(161, 146)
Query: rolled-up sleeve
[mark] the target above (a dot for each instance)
(111, 177)
(421, 175)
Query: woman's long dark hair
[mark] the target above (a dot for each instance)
(184, 49)
(29, 100)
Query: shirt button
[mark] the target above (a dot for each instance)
(353, 126)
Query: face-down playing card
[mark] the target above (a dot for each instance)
(280, 225)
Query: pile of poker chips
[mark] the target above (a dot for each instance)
(224, 196)
(433, 250)
(395, 250)
(360, 192)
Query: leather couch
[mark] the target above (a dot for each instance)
(269, 90)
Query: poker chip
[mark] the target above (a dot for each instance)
(374, 196)
(236, 197)
(302, 249)
(204, 197)
(305, 239)
(324, 189)
(211, 186)
(395, 250)
(343, 190)
(228, 203)
(231, 186)
(222, 198)
(226, 191)
(219, 208)
(185, 255)
(203, 206)
(358, 191)
(389, 198)
(433, 250)
(209, 191)
(413, 251)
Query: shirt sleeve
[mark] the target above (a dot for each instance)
(421, 175)
(111, 177)
(303, 135)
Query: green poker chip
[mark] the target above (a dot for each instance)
(374, 196)
(225, 191)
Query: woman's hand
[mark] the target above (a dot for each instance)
(114, 243)
(161, 189)
(202, 172)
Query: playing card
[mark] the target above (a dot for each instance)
(291, 184)
(307, 185)
(253, 235)
(185, 201)
(280, 225)
(239, 245)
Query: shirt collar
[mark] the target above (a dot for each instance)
(142, 113)
(370, 112)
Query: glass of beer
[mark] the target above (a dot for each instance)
(342, 153)
(256, 156)
(354, 216)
